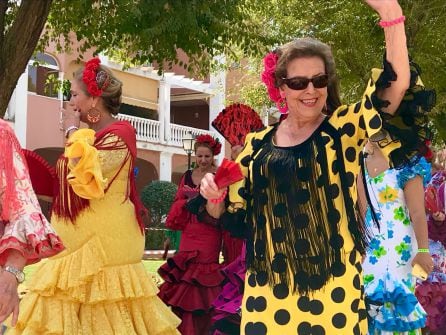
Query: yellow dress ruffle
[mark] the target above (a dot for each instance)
(85, 175)
(98, 285)
(79, 294)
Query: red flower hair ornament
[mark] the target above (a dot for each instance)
(95, 79)
(269, 79)
(209, 141)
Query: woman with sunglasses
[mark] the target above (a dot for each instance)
(298, 200)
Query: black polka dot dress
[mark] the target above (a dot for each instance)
(304, 274)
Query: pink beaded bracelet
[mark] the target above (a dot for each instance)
(218, 200)
(386, 24)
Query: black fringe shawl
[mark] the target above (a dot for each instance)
(292, 188)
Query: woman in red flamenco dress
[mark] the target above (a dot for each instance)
(192, 277)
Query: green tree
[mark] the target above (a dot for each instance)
(138, 31)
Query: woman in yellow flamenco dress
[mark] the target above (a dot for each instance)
(98, 285)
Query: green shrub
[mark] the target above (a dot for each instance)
(154, 239)
(157, 197)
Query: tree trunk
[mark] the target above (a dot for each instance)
(18, 44)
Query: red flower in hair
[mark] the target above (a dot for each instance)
(268, 78)
(214, 144)
(270, 62)
(89, 77)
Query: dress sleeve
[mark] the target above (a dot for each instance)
(27, 230)
(237, 199)
(400, 136)
(178, 215)
(418, 167)
(91, 169)
(233, 219)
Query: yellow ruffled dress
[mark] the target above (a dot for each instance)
(98, 285)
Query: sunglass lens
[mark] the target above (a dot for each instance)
(301, 83)
(320, 81)
(298, 83)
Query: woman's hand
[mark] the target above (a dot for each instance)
(69, 118)
(9, 297)
(424, 259)
(209, 189)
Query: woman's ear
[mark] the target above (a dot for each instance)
(95, 101)
(282, 93)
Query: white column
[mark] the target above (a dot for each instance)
(166, 166)
(217, 100)
(60, 93)
(164, 111)
(20, 108)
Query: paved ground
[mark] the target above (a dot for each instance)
(156, 254)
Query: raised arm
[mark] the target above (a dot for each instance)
(396, 51)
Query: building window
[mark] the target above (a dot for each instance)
(43, 74)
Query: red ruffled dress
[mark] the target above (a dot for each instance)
(232, 247)
(192, 278)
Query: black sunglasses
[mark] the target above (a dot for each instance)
(301, 83)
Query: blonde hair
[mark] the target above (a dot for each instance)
(111, 94)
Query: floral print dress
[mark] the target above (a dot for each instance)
(389, 284)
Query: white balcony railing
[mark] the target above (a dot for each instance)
(177, 133)
(149, 131)
(146, 130)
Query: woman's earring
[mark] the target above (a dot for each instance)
(282, 106)
(93, 115)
